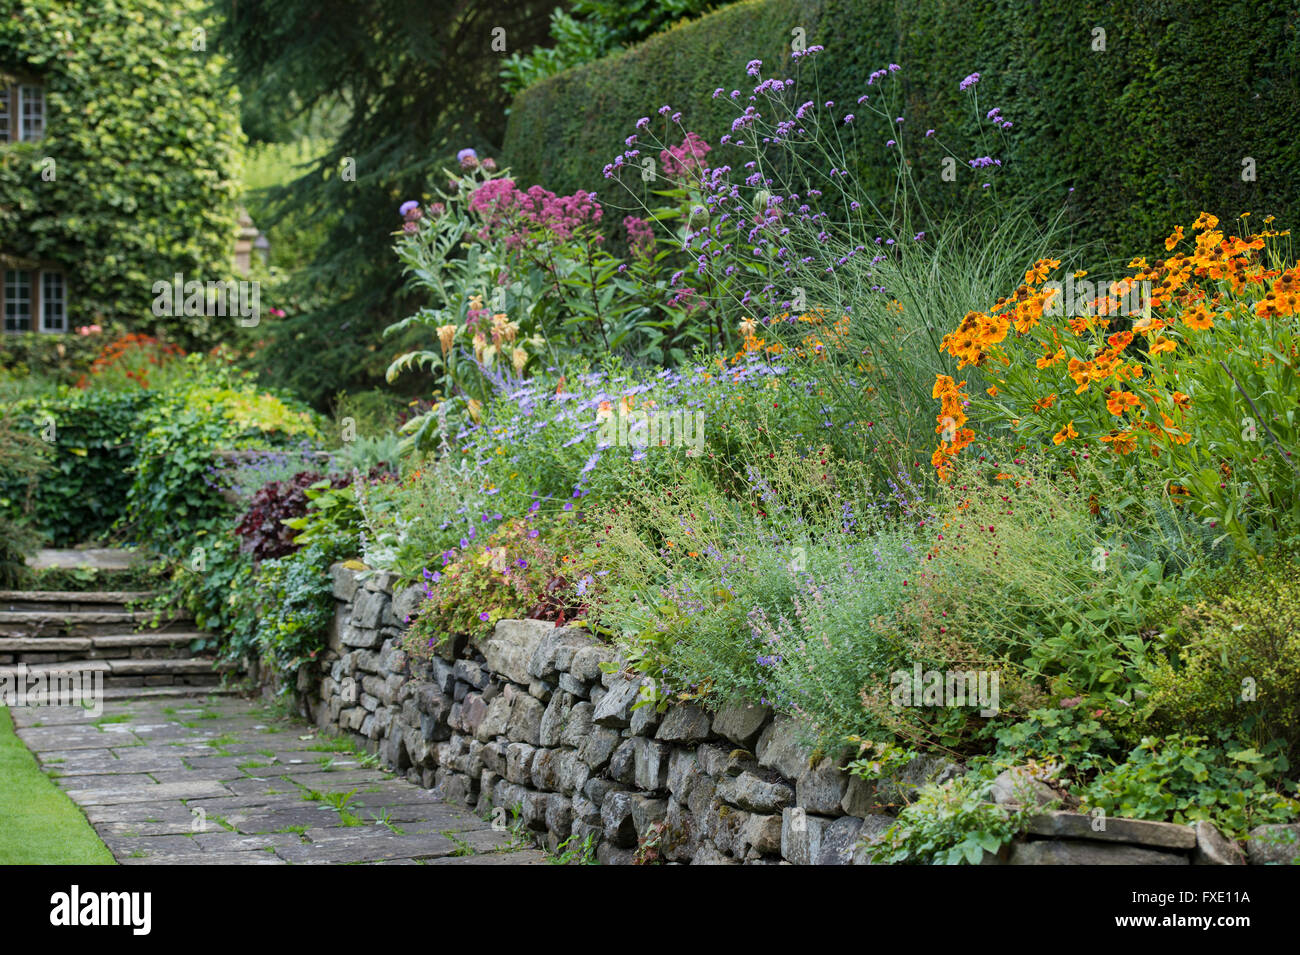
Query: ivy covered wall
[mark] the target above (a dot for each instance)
(136, 177)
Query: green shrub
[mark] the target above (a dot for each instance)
(92, 442)
(294, 600)
(951, 823)
(218, 591)
(56, 359)
(1231, 661)
(22, 461)
(1076, 738)
(175, 500)
(1030, 568)
(514, 573)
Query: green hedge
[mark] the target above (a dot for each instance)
(1148, 133)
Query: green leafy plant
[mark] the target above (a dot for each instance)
(951, 823)
(171, 207)
(89, 440)
(1184, 777)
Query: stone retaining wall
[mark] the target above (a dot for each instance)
(529, 721)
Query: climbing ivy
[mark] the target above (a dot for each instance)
(136, 176)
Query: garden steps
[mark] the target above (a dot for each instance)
(193, 671)
(65, 600)
(94, 632)
(83, 623)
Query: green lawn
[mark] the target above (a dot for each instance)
(38, 823)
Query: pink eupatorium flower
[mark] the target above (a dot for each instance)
(685, 159)
(505, 208)
(640, 237)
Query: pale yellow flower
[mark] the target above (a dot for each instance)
(446, 335)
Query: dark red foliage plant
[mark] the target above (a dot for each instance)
(261, 528)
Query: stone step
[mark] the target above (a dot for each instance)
(153, 692)
(114, 641)
(136, 646)
(190, 671)
(63, 601)
(85, 623)
(151, 667)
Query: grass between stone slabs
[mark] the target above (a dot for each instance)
(39, 825)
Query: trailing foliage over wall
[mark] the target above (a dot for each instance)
(143, 135)
(1126, 126)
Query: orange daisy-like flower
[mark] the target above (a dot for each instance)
(1205, 221)
(1040, 270)
(1047, 361)
(1121, 442)
(1042, 404)
(1120, 401)
(1267, 307)
(1174, 239)
(1181, 400)
(1160, 345)
(1198, 317)
(1065, 434)
(1146, 326)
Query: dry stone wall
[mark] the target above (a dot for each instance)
(529, 721)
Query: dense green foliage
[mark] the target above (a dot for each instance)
(143, 131)
(88, 437)
(142, 460)
(592, 29)
(1139, 141)
(21, 462)
(1233, 661)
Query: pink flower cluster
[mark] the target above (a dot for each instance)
(687, 159)
(640, 237)
(503, 206)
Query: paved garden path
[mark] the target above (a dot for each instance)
(222, 781)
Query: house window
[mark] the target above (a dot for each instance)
(35, 299)
(53, 318)
(18, 300)
(22, 113)
(31, 100)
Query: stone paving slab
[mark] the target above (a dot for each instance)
(168, 781)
